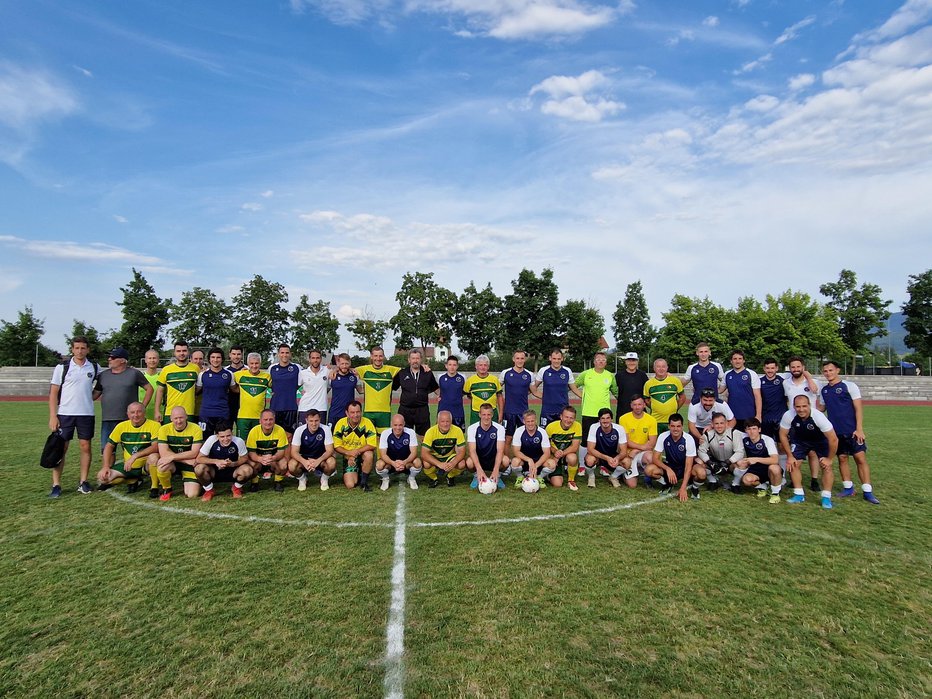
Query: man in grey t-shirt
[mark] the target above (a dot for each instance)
(118, 385)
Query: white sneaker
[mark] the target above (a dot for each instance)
(591, 482)
(325, 483)
(412, 482)
(614, 482)
(384, 485)
(302, 482)
(572, 486)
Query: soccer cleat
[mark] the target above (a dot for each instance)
(412, 482)
(325, 483)
(433, 483)
(253, 487)
(132, 487)
(153, 493)
(735, 488)
(604, 471)
(665, 488)
(302, 483)
(84, 488)
(518, 481)
(846, 492)
(774, 499)
(796, 500)
(591, 481)
(208, 495)
(649, 482)
(614, 482)
(384, 485)
(279, 487)
(266, 475)
(761, 492)
(694, 492)
(871, 499)
(712, 486)
(451, 481)
(572, 486)
(237, 493)
(104, 486)
(367, 488)
(55, 492)
(814, 485)
(166, 495)
(542, 482)
(474, 484)
(826, 503)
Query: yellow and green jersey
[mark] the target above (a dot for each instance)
(178, 383)
(598, 387)
(153, 380)
(378, 387)
(664, 397)
(264, 444)
(252, 392)
(347, 437)
(482, 390)
(443, 445)
(133, 439)
(638, 431)
(180, 441)
(562, 438)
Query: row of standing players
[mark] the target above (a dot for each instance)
(219, 387)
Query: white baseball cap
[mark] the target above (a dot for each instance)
(631, 355)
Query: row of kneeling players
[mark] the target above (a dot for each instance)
(537, 457)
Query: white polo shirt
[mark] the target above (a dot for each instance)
(76, 395)
(314, 389)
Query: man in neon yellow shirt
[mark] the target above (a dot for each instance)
(598, 386)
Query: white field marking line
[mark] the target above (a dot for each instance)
(395, 628)
(544, 518)
(326, 523)
(244, 518)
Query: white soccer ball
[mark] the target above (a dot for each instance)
(530, 485)
(488, 486)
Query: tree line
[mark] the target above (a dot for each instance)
(530, 317)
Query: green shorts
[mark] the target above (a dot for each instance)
(132, 473)
(348, 468)
(382, 421)
(244, 425)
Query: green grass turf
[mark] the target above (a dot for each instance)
(728, 596)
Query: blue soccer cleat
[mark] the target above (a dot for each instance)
(475, 482)
(846, 492)
(826, 503)
(796, 500)
(871, 499)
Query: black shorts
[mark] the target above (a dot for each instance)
(678, 470)
(848, 445)
(460, 422)
(286, 419)
(417, 419)
(82, 424)
(223, 475)
(762, 471)
(512, 423)
(547, 419)
(801, 450)
(771, 428)
(587, 423)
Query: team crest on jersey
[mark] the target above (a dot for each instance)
(810, 426)
(319, 437)
(744, 377)
(90, 374)
(459, 379)
(525, 377)
(681, 447)
(838, 390)
(562, 375)
(405, 442)
(711, 369)
(181, 386)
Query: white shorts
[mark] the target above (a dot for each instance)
(637, 464)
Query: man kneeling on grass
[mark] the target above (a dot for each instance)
(485, 441)
(137, 437)
(267, 445)
(607, 447)
(222, 458)
(444, 450)
(398, 453)
(760, 464)
(676, 464)
(312, 451)
(531, 451)
(179, 444)
(354, 437)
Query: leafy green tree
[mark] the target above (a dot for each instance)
(631, 322)
(313, 326)
(144, 316)
(200, 317)
(260, 320)
(691, 321)
(426, 311)
(477, 320)
(583, 327)
(860, 311)
(799, 325)
(918, 312)
(97, 346)
(368, 331)
(20, 342)
(531, 315)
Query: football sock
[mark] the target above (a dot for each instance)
(867, 488)
(573, 471)
(430, 472)
(277, 478)
(165, 479)
(618, 471)
(739, 472)
(847, 484)
(208, 487)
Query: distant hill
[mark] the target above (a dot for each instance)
(897, 337)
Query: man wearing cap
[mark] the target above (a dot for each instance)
(630, 382)
(117, 386)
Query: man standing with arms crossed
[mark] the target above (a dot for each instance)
(314, 382)
(117, 386)
(416, 384)
(71, 409)
(598, 386)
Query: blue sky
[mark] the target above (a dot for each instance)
(730, 148)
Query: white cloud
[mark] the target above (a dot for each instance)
(10, 280)
(267, 194)
(348, 313)
(251, 206)
(120, 219)
(29, 96)
(911, 14)
(577, 97)
(83, 71)
(710, 21)
(792, 32)
(762, 103)
(755, 64)
(82, 252)
(801, 82)
(229, 229)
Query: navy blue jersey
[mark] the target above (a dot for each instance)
(451, 395)
(808, 433)
(284, 386)
(531, 445)
(741, 385)
(675, 451)
(397, 448)
(839, 404)
(517, 386)
(607, 442)
(702, 377)
(555, 383)
(773, 398)
(486, 441)
(215, 386)
(342, 393)
(312, 445)
(760, 449)
(212, 449)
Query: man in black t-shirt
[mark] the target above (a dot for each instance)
(630, 382)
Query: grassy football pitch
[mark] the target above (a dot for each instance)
(111, 595)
